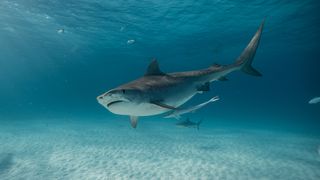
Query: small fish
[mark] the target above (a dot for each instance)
(178, 112)
(314, 100)
(188, 123)
(131, 41)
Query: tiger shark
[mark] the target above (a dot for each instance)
(157, 92)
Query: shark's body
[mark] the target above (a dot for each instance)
(157, 92)
(188, 123)
(179, 111)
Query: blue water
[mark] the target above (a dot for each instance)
(261, 128)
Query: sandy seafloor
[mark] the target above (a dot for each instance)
(110, 149)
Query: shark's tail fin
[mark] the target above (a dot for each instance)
(246, 57)
(198, 124)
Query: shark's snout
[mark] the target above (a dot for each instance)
(101, 97)
(111, 97)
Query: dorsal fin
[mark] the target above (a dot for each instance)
(153, 69)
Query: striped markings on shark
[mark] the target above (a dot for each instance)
(157, 92)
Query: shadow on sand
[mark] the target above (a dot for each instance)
(6, 162)
(210, 148)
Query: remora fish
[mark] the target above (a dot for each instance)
(157, 92)
(188, 123)
(178, 112)
(314, 100)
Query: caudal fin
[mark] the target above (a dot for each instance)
(247, 56)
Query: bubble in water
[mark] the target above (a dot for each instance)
(131, 41)
(60, 31)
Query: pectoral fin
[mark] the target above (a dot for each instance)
(134, 121)
(159, 103)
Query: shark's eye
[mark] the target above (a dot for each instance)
(123, 91)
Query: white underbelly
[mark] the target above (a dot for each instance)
(143, 109)
(146, 109)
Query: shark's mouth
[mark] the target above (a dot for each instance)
(114, 102)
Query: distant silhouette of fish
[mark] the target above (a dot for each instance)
(314, 100)
(188, 123)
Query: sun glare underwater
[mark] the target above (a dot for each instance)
(220, 89)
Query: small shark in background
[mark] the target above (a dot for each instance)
(189, 124)
(157, 92)
(314, 100)
(179, 111)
